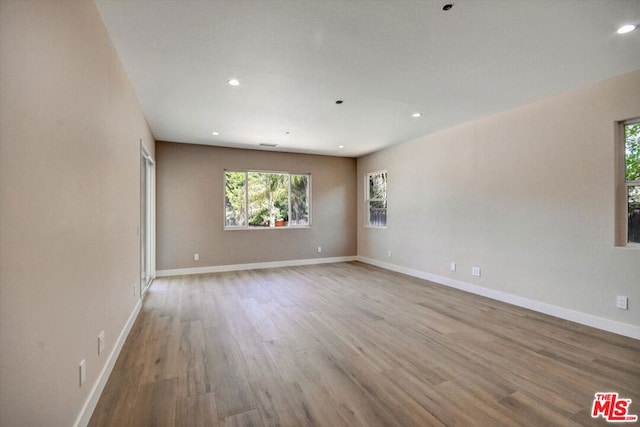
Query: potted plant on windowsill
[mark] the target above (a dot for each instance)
(281, 221)
(281, 214)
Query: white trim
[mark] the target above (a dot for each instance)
(149, 171)
(145, 152)
(367, 192)
(624, 204)
(619, 328)
(94, 395)
(252, 266)
(246, 199)
(284, 227)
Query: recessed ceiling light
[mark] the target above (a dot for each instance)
(447, 6)
(340, 146)
(416, 115)
(339, 101)
(234, 82)
(215, 133)
(627, 28)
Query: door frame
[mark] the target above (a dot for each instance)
(147, 220)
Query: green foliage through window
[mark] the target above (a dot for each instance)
(632, 173)
(266, 199)
(376, 199)
(235, 198)
(632, 151)
(299, 200)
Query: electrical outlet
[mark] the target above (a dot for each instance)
(319, 249)
(389, 253)
(101, 342)
(475, 271)
(135, 290)
(83, 371)
(453, 266)
(622, 302)
(196, 257)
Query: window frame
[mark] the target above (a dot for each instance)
(367, 200)
(246, 173)
(628, 183)
(623, 185)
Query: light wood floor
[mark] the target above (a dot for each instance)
(353, 345)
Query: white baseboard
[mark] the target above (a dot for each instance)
(94, 395)
(252, 266)
(541, 307)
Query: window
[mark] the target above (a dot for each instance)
(266, 199)
(376, 199)
(632, 178)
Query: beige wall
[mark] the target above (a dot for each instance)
(190, 208)
(69, 188)
(527, 195)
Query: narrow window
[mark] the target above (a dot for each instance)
(632, 178)
(235, 199)
(376, 199)
(300, 200)
(258, 199)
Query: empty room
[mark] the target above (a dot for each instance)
(319, 213)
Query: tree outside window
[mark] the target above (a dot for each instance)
(300, 200)
(376, 199)
(266, 199)
(632, 175)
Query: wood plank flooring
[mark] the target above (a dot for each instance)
(352, 345)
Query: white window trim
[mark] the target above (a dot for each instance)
(622, 203)
(246, 200)
(367, 220)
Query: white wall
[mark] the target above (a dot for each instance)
(527, 195)
(70, 127)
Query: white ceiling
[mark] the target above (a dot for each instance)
(385, 59)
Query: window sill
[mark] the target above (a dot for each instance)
(289, 227)
(376, 226)
(631, 246)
